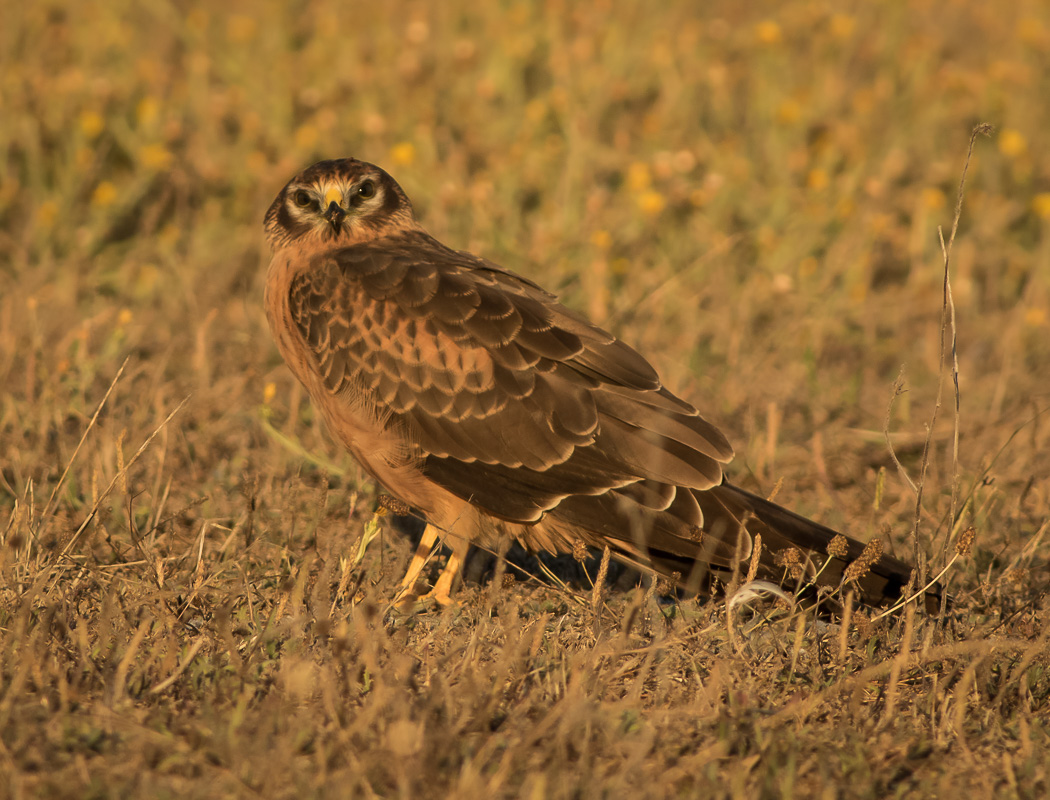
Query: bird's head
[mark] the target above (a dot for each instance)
(339, 202)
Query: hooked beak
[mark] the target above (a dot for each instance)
(335, 214)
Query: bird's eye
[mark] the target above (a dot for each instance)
(302, 198)
(366, 190)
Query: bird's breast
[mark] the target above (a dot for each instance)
(375, 441)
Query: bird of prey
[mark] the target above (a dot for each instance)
(473, 396)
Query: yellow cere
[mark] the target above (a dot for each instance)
(332, 194)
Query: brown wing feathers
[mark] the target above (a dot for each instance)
(488, 376)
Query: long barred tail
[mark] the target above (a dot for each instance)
(883, 582)
(668, 543)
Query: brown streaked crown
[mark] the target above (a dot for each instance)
(372, 203)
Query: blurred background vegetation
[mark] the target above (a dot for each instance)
(748, 193)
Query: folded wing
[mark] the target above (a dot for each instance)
(513, 402)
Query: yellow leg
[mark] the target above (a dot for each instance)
(449, 578)
(426, 546)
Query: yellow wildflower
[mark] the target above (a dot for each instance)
(403, 154)
(651, 203)
(1012, 143)
(638, 176)
(241, 28)
(768, 32)
(155, 156)
(817, 179)
(46, 213)
(842, 26)
(601, 239)
(105, 195)
(933, 198)
(91, 124)
(147, 111)
(788, 112)
(305, 136)
(1041, 205)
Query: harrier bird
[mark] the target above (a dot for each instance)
(472, 395)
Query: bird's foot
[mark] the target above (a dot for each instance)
(409, 601)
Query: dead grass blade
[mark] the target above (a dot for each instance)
(109, 488)
(48, 507)
(948, 321)
(191, 654)
(804, 707)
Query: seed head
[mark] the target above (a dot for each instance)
(965, 543)
(579, 550)
(388, 502)
(862, 622)
(838, 547)
(868, 558)
(787, 557)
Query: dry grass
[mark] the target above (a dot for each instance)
(198, 608)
